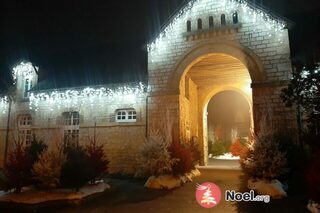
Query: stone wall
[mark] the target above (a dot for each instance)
(121, 140)
(262, 49)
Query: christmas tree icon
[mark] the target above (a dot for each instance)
(207, 197)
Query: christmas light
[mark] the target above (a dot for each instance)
(253, 14)
(25, 69)
(94, 97)
(4, 104)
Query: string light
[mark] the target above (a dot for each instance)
(25, 69)
(275, 26)
(4, 104)
(94, 97)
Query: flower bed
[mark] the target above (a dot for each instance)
(32, 196)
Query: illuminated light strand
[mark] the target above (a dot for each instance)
(23, 69)
(87, 96)
(4, 104)
(274, 24)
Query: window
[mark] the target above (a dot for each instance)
(199, 24)
(126, 115)
(188, 26)
(235, 18)
(71, 118)
(223, 20)
(24, 128)
(27, 87)
(211, 22)
(71, 121)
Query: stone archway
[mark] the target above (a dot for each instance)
(205, 71)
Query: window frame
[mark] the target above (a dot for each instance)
(24, 128)
(71, 127)
(27, 86)
(126, 115)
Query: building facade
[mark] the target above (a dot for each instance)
(207, 47)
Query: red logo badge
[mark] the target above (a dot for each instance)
(208, 195)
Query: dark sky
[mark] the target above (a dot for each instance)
(102, 39)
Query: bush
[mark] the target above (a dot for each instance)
(184, 160)
(35, 148)
(264, 159)
(47, 169)
(76, 171)
(18, 168)
(154, 158)
(195, 152)
(218, 148)
(313, 178)
(237, 147)
(97, 159)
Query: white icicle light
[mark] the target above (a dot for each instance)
(252, 13)
(88, 96)
(23, 69)
(4, 104)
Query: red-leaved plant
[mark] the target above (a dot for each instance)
(18, 167)
(181, 152)
(313, 178)
(236, 147)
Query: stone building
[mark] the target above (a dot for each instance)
(207, 47)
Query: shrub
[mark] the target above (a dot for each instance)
(47, 169)
(237, 147)
(313, 178)
(218, 148)
(35, 148)
(97, 159)
(18, 167)
(184, 162)
(154, 158)
(195, 152)
(76, 171)
(265, 160)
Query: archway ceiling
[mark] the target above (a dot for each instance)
(218, 69)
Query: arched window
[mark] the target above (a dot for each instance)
(199, 24)
(24, 128)
(235, 18)
(211, 22)
(223, 20)
(188, 26)
(126, 115)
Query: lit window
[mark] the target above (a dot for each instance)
(126, 115)
(188, 26)
(223, 20)
(71, 121)
(24, 128)
(235, 18)
(27, 87)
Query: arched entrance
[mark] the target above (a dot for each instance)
(206, 75)
(229, 119)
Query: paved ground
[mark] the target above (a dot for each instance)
(129, 195)
(223, 164)
(134, 198)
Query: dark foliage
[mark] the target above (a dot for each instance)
(313, 178)
(35, 148)
(18, 168)
(77, 171)
(97, 159)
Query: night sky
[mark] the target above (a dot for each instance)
(77, 42)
